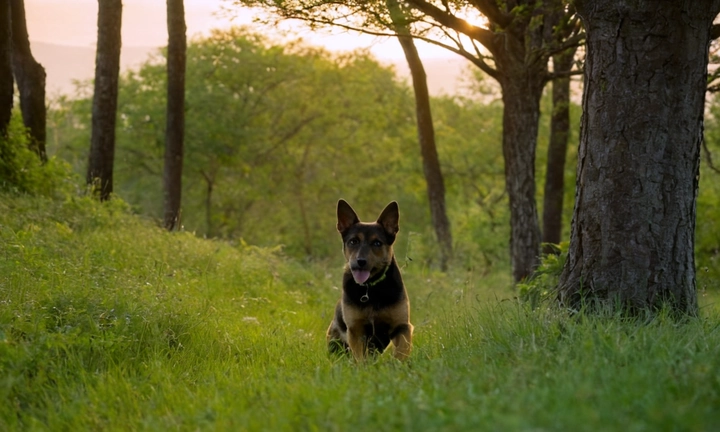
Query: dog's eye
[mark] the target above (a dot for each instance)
(377, 243)
(353, 242)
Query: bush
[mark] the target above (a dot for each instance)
(22, 171)
(541, 285)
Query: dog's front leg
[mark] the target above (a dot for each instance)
(357, 342)
(402, 340)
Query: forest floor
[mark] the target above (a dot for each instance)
(109, 323)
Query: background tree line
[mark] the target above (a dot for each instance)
(276, 132)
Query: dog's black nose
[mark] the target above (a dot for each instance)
(361, 263)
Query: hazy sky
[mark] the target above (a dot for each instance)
(74, 22)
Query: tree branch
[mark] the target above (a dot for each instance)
(477, 61)
(565, 74)
(484, 36)
(284, 138)
(492, 12)
(142, 161)
(571, 42)
(715, 31)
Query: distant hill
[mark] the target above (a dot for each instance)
(65, 64)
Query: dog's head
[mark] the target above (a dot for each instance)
(367, 246)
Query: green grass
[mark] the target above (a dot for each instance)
(109, 323)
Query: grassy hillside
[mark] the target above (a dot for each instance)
(109, 323)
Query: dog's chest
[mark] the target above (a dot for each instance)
(374, 298)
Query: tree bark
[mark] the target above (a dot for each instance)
(521, 112)
(557, 151)
(175, 129)
(210, 179)
(426, 137)
(6, 76)
(300, 196)
(104, 107)
(30, 78)
(632, 235)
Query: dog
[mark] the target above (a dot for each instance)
(374, 308)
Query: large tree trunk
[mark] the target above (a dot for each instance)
(426, 137)
(104, 108)
(175, 132)
(6, 75)
(632, 235)
(30, 78)
(557, 151)
(521, 112)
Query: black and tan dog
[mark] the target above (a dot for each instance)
(374, 309)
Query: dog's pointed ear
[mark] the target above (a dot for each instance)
(346, 216)
(390, 219)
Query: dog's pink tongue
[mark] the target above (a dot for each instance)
(361, 276)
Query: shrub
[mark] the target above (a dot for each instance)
(22, 171)
(541, 285)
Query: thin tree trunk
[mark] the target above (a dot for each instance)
(521, 112)
(209, 178)
(300, 196)
(521, 69)
(632, 234)
(30, 78)
(104, 108)
(6, 75)
(557, 152)
(426, 137)
(175, 132)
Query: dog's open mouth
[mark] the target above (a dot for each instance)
(360, 276)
